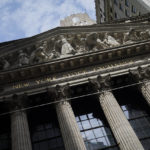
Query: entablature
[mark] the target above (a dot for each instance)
(74, 77)
(75, 62)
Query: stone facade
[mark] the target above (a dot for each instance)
(57, 65)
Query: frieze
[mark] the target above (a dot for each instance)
(67, 45)
(64, 76)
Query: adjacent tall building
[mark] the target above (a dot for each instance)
(108, 10)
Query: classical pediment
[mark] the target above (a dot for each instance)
(70, 44)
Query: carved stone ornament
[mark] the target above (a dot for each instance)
(141, 74)
(62, 92)
(69, 45)
(101, 83)
(4, 64)
(23, 58)
(131, 36)
(18, 102)
(66, 49)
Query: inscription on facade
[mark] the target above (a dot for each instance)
(68, 75)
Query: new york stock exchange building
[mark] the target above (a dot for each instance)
(77, 88)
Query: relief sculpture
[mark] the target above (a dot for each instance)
(66, 49)
(67, 45)
(23, 58)
(4, 64)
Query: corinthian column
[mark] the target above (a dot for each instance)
(20, 134)
(142, 76)
(69, 128)
(121, 128)
(145, 89)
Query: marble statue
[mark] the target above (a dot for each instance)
(80, 49)
(130, 37)
(110, 41)
(145, 34)
(101, 44)
(91, 41)
(23, 58)
(4, 64)
(53, 55)
(66, 49)
(39, 55)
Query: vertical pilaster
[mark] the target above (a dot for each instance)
(20, 134)
(121, 128)
(69, 128)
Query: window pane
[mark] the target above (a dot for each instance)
(94, 122)
(83, 117)
(77, 119)
(44, 145)
(80, 126)
(89, 135)
(98, 132)
(86, 124)
(102, 142)
(90, 116)
(41, 135)
(50, 133)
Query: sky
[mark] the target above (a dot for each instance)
(25, 18)
(147, 2)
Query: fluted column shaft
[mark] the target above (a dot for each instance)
(122, 130)
(20, 131)
(70, 131)
(145, 90)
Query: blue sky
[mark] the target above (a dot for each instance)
(25, 18)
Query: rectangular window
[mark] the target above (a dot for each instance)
(116, 15)
(120, 7)
(127, 13)
(115, 2)
(45, 132)
(127, 3)
(133, 9)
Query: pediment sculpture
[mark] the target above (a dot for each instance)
(67, 45)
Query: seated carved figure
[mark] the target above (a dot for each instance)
(101, 44)
(66, 49)
(94, 43)
(80, 49)
(91, 41)
(130, 37)
(23, 58)
(80, 46)
(145, 34)
(110, 41)
(4, 64)
(53, 55)
(39, 55)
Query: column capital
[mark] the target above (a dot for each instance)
(18, 101)
(61, 92)
(100, 83)
(140, 73)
